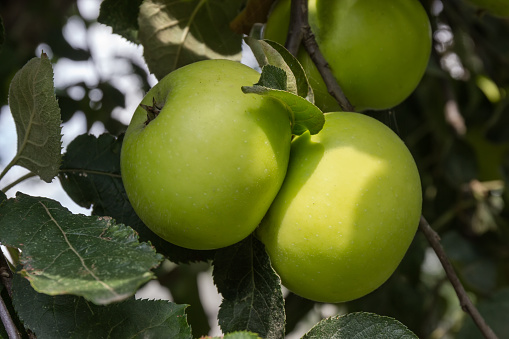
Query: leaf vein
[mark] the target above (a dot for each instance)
(83, 264)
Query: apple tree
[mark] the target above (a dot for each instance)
(347, 181)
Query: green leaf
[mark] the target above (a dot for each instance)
(305, 115)
(252, 296)
(175, 33)
(359, 325)
(90, 174)
(47, 316)
(122, 16)
(63, 253)
(37, 117)
(138, 318)
(273, 77)
(241, 335)
(269, 52)
(494, 310)
(68, 316)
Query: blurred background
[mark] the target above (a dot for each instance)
(456, 125)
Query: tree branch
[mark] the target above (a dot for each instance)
(6, 280)
(9, 325)
(299, 18)
(5, 274)
(465, 302)
(295, 32)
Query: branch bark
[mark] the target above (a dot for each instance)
(5, 274)
(465, 302)
(6, 280)
(299, 30)
(9, 325)
(294, 37)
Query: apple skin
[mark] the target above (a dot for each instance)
(203, 173)
(378, 50)
(496, 7)
(347, 211)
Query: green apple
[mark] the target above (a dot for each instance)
(347, 211)
(203, 173)
(495, 7)
(377, 50)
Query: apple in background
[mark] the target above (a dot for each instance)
(347, 211)
(378, 50)
(495, 7)
(203, 173)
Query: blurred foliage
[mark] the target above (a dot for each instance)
(32, 26)
(456, 125)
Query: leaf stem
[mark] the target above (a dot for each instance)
(9, 166)
(19, 180)
(67, 170)
(465, 302)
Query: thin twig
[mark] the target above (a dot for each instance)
(5, 274)
(465, 302)
(300, 12)
(295, 32)
(325, 71)
(6, 281)
(9, 325)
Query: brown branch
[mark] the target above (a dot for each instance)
(465, 302)
(9, 325)
(6, 281)
(324, 69)
(300, 12)
(5, 274)
(295, 32)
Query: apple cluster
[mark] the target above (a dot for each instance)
(205, 165)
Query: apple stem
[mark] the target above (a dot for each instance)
(152, 111)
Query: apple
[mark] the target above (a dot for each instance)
(377, 50)
(204, 171)
(495, 7)
(347, 211)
